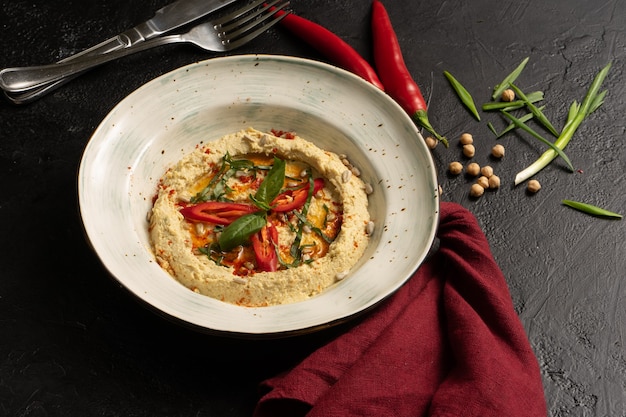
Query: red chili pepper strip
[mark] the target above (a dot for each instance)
(331, 46)
(294, 199)
(264, 244)
(217, 212)
(393, 72)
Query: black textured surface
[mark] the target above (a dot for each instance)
(72, 342)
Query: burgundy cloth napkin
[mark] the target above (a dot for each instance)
(448, 343)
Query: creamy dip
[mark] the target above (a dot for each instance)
(259, 219)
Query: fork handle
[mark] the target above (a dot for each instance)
(125, 39)
(19, 79)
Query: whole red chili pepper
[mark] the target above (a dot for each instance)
(393, 72)
(332, 46)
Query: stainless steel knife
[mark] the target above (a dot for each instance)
(168, 18)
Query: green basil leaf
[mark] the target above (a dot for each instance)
(272, 183)
(238, 232)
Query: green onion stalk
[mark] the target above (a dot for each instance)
(577, 113)
(591, 209)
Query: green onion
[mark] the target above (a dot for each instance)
(512, 126)
(497, 92)
(593, 100)
(517, 122)
(591, 209)
(533, 97)
(541, 118)
(464, 95)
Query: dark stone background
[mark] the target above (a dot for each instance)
(72, 342)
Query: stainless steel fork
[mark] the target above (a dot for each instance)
(219, 35)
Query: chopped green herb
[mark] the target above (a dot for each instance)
(213, 252)
(217, 188)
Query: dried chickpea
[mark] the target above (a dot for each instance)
(497, 151)
(469, 150)
(487, 171)
(494, 182)
(431, 142)
(483, 182)
(476, 190)
(473, 169)
(533, 186)
(466, 139)
(455, 168)
(508, 95)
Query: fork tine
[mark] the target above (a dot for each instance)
(239, 20)
(234, 39)
(217, 23)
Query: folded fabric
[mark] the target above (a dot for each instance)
(448, 343)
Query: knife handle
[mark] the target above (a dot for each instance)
(125, 39)
(21, 79)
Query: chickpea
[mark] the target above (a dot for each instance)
(494, 182)
(455, 168)
(533, 186)
(487, 171)
(508, 95)
(431, 142)
(497, 151)
(473, 169)
(483, 182)
(476, 191)
(466, 139)
(469, 150)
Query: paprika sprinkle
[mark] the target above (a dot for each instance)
(332, 46)
(393, 72)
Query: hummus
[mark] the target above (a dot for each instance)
(260, 219)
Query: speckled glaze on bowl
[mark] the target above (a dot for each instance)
(165, 119)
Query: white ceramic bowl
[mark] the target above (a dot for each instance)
(166, 118)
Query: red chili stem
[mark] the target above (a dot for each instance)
(393, 72)
(331, 46)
